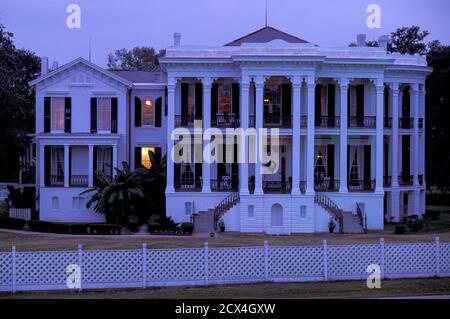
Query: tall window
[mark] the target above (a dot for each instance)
(148, 112)
(356, 164)
(224, 103)
(104, 160)
(57, 164)
(104, 114)
(57, 106)
(353, 101)
(146, 156)
(324, 100)
(272, 100)
(320, 168)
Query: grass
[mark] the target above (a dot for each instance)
(347, 289)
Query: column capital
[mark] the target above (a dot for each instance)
(343, 82)
(207, 81)
(415, 88)
(259, 81)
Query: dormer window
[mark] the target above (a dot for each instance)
(148, 112)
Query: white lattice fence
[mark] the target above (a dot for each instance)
(236, 264)
(444, 260)
(296, 263)
(351, 261)
(5, 271)
(410, 260)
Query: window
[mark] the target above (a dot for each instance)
(55, 203)
(324, 100)
(302, 212)
(104, 114)
(356, 162)
(353, 101)
(272, 101)
(224, 103)
(104, 160)
(57, 107)
(57, 163)
(77, 203)
(251, 211)
(320, 168)
(148, 112)
(146, 156)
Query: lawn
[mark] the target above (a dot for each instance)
(347, 289)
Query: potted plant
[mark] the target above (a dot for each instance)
(331, 226)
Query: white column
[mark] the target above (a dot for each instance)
(296, 89)
(395, 205)
(243, 148)
(170, 128)
(415, 144)
(422, 141)
(259, 86)
(91, 165)
(42, 171)
(206, 168)
(394, 154)
(66, 165)
(379, 138)
(114, 163)
(343, 165)
(311, 86)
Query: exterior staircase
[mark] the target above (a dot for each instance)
(206, 222)
(348, 222)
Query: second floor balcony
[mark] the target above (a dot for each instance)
(328, 122)
(362, 121)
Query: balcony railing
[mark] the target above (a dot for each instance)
(420, 177)
(224, 185)
(388, 122)
(405, 123)
(387, 181)
(225, 120)
(276, 187)
(326, 185)
(277, 121)
(328, 121)
(405, 180)
(362, 121)
(78, 180)
(188, 185)
(361, 185)
(54, 180)
(185, 120)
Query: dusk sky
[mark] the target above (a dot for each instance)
(41, 25)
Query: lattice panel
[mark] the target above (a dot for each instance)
(175, 264)
(44, 268)
(410, 258)
(236, 263)
(112, 266)
(5, 269)
(287, 262)
(444, 262)
(352, 260)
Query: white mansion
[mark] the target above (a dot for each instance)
(350, 120)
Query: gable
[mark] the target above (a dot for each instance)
(265, 35)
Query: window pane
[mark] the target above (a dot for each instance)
(146, 157)
(57, 104)
(224, 99)
(148, 112)
(104, 114)
(104, 160)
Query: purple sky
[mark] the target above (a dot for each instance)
(41, 25)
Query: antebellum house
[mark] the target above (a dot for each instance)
(350, 123)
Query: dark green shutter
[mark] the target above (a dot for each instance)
(111, 162)
(331, 100)
(47, 112)
(70, 162)
(184, 98)
(158, 155)
(286, 96)
(137, 157)
(114, 115)
(94, 161)
(235, 168)
(367, 164)
(235, 92)
(360, 101)
(214, 99)
(137, 112)
(198, 100)
(158, 113)
(330, 157)
(318, 104)
(67, 115)
(93, 115)
(47, 164)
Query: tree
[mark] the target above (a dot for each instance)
(408, 40)
(17, 68)
(139, 58)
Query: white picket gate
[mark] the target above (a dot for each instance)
(140, 268)
(20, 213)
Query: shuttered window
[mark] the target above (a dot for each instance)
(58, 114)
(104, 114)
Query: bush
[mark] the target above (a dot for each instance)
(187, 228)
(12, 223)
(74, 228)
(414, 223)
(433, 214)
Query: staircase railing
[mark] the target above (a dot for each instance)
(224, 206)
(331, 208)
(362, 217)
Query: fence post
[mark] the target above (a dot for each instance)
(325, 261)
(382, 257)
(80, 264)
(14, 270)
(266, 260)
(144, 265)
(206, 263)
(438, 256)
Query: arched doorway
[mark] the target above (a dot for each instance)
(276, 217)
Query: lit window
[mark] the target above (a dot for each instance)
(148, 112)
(302, 212)
(57, 114)
(251, 211)
(55, 203)
(146, 157)
(224, 105)
(104, 114)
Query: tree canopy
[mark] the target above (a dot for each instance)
(138, 58)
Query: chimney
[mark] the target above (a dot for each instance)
(44, 65)
(361, 40)
(177, 39)
(383, 42)
(54, 65)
